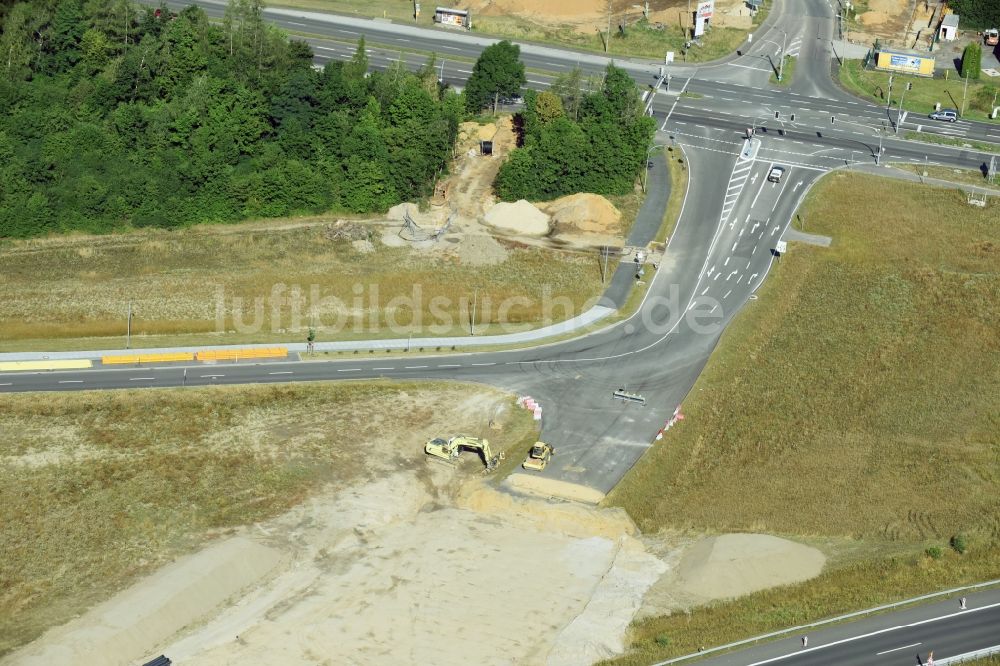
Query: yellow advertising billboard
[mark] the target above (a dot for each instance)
(905, 62)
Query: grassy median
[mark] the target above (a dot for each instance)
(99, 488)
(855, 401)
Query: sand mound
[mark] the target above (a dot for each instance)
(519, 217)
(538, 485)
(732, 565)
(125, 628)
(565, 517)
(586, 213)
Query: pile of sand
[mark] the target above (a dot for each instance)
(519, 217)
(732, 565)
(584, 213)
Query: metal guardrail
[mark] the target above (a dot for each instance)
(968, 656)
(832, 620)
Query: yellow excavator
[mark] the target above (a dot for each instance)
(449, 449)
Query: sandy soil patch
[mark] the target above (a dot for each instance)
(423, 565)
(585, 219)
(520, 217)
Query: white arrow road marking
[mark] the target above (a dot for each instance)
(796, 186)
(775, 230)
(753, 179)
(731, 276)
(755, 225)
(710, 271)
(752, 277)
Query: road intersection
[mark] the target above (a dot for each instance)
(719, 255)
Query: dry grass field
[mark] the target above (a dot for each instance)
(99, 488)
(259, 283)
(856, 400)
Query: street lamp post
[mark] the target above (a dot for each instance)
(781, 63)
(645, 170)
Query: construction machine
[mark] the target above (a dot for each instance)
(449, 450)
(538, 457)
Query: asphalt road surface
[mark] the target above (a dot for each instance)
(899, 638)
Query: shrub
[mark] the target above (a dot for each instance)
(959, 543)
(662, 640)
(934, 552)
(972, 60)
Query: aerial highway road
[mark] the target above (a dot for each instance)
(904, 637)
(721, 252)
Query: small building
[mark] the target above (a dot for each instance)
(918, 63)
(456, 18)
(949, 28)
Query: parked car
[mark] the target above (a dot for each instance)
(776, 174)
(950, 115)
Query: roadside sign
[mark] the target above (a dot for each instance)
(781, 247)
(670, 57)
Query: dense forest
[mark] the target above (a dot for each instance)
(117, 116)
(579, 142)
(977, 13)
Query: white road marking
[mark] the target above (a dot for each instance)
(748, 263)
(141, 379)
(752, 277)
(350, 370)
(705, 290)
(755, 225)
(879, 654)
(727, 293)
(283, 372)
(727, 261)
(735, 244)
(414, 367)
(730, 277)
(452, 365)
(7, 384)
(775, 230)
(482, 364)
(383, 368)
(211, 376)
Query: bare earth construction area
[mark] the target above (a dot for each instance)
(371, 567)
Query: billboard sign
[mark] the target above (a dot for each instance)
(904, 63)
(706, 9)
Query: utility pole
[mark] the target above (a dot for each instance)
(607, 40)
(605, 250)
(128, 327)
(888, 96)
(965, 91)
(472, 321)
